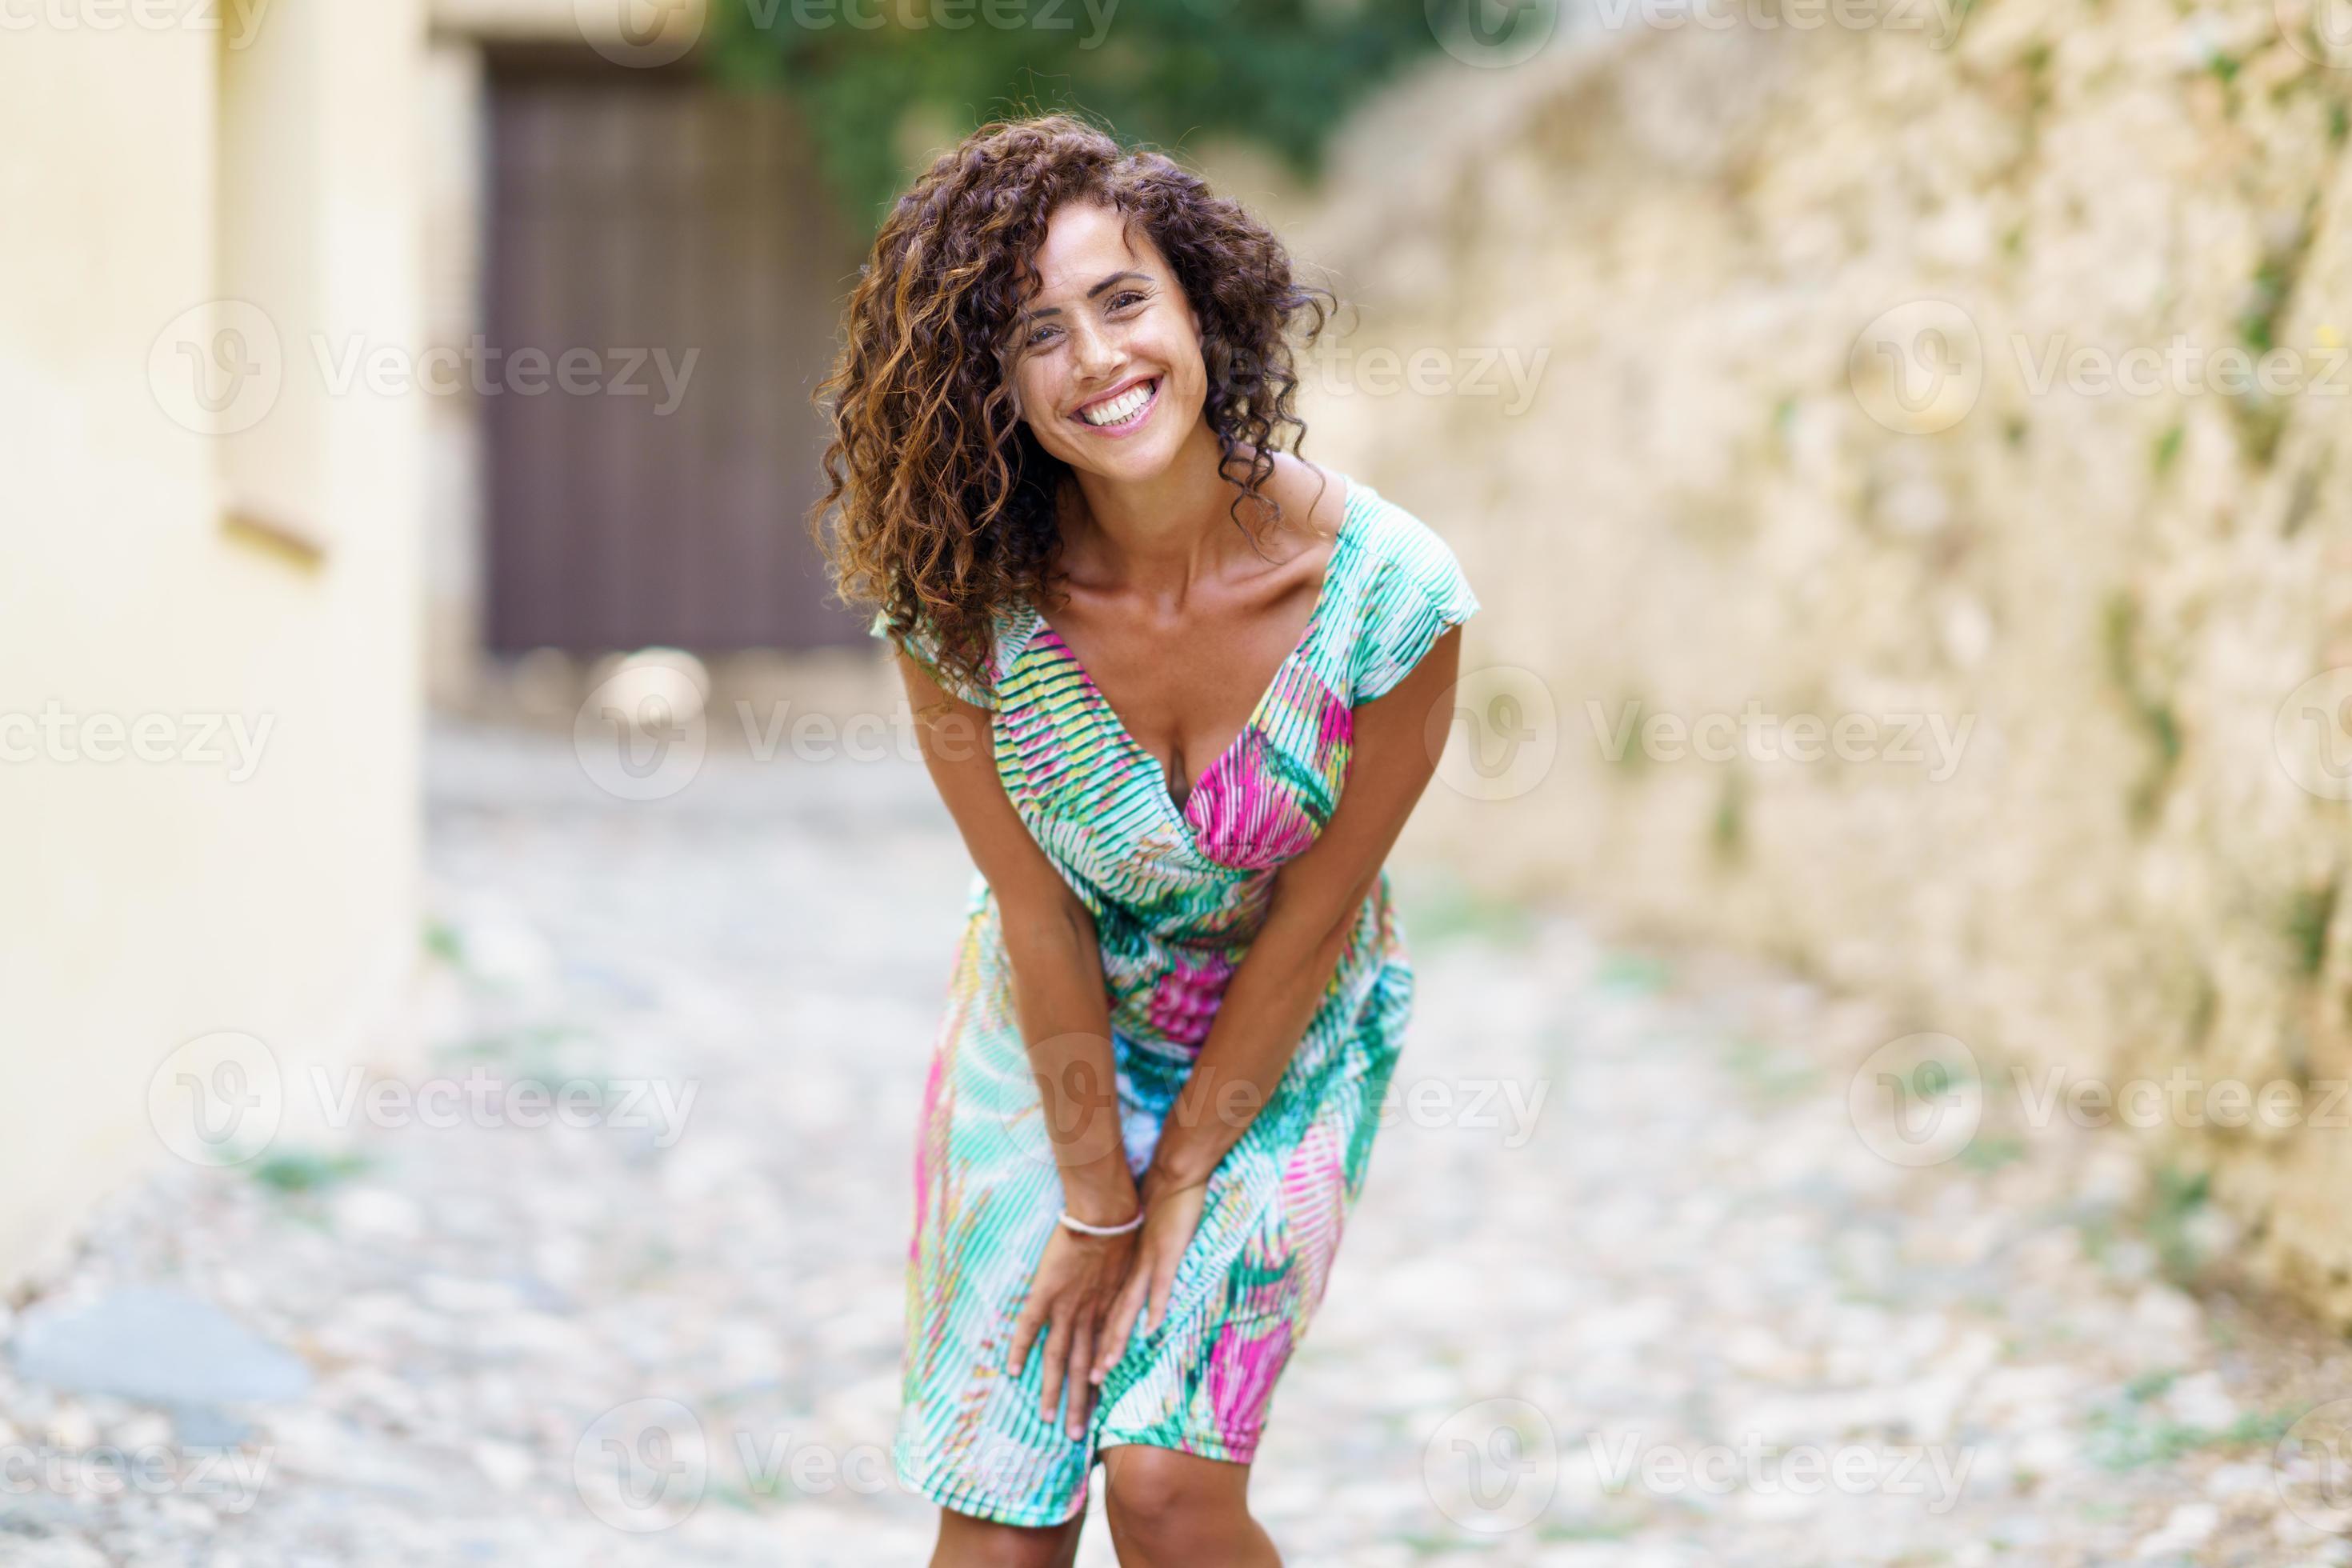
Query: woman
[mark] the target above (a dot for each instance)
(1181, 986)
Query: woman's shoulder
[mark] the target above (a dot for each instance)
(1410, 589)
(1008, 622)
(1398, 554)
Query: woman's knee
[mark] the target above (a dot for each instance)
(969, 1543)
(1158, 1492)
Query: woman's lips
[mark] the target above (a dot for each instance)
(1135, 417)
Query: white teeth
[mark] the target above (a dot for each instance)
(1125, 405)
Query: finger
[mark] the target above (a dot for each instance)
(1116, 1323)
(1024, 1337)
(1163, 1285)
(1120, 1323)
(1082, 1352)
(1058, 1357)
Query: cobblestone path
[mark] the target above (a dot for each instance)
(1628, 1285)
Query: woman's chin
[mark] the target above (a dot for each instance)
(1134, 459)
(1129, 462)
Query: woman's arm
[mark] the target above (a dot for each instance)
(1049, 936)
(1273, 995)
(1064, 1012)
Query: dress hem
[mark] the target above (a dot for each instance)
(960, 1499)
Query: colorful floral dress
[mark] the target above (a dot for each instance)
(1176, 895)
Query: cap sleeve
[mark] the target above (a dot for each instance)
(922, 644)
(1415, 594)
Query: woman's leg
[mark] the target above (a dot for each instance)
(969, 1543)
(1173, 1509)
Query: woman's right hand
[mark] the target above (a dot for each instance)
(1077, 1281)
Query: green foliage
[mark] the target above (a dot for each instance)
(304, 1171)
(2123, 1438)
(1988, 1153)
(1727, 829)
(1448, 910)
(1769, 1076)
(2152, 715)
(1642, 974)
(444, 943)
(2178, 1195)
(1279, 73)
(2266, 295)
(2310, 911)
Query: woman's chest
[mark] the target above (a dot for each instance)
(1099, 800)
(1184, 691)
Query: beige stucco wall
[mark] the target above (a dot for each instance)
(2117, 876)
(145, 902)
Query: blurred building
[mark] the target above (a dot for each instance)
(591, 192)
(208, 692)
(345, 353)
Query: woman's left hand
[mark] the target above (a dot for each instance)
(1171, 1214)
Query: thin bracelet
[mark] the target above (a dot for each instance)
(1083, 1229)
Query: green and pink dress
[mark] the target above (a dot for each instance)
(1177, 893)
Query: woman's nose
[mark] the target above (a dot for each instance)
(1093, 352)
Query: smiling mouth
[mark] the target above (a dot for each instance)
(1123, 410)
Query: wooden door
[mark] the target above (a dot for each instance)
(646, 217)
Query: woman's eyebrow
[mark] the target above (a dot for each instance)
(1114, 277)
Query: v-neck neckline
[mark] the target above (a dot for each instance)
(1181, 811)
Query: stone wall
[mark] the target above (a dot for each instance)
(2039, 631)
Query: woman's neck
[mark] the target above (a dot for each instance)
(1161, 534)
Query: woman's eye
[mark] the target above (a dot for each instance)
(1039, 335)
(1120, 300)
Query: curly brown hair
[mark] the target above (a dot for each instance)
(945, 508)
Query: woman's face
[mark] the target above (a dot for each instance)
(1106, 358)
